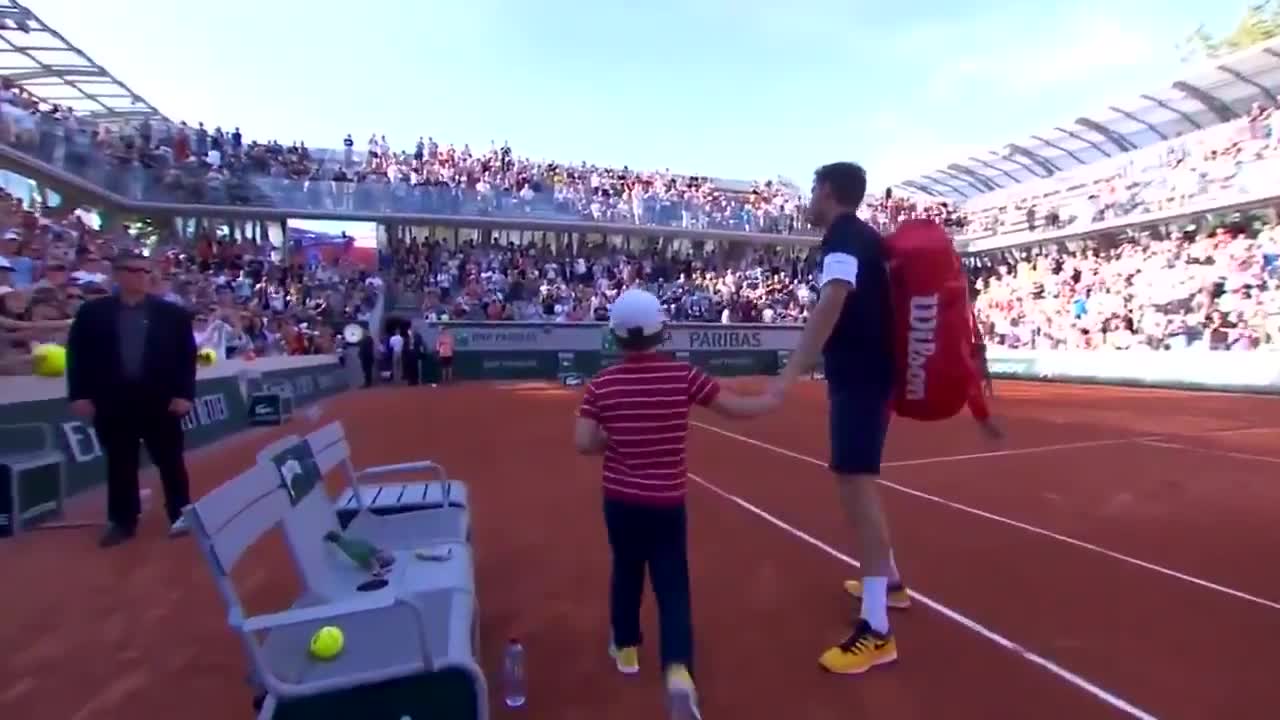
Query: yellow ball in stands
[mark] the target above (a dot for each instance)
(327, 643)
(206, 357)
(49, 360)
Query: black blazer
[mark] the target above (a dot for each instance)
(93, 353)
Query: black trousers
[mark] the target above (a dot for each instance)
(366, 367)
(412, 365)
(120, 430)
(652, 538)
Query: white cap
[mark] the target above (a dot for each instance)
(636, 311)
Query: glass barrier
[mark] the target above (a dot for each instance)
(73, 151)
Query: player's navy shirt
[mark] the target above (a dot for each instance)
(859, 352)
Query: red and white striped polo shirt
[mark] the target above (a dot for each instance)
(643, 405)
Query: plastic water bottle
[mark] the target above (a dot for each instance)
(513, 678)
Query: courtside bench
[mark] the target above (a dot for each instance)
(33, 478)
(410, 636)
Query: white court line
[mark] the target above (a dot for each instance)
(995, 637)
(1008, 521)
(1209, 451)
(1235, 431)
(945, 458)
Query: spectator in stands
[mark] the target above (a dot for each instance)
(1213, 290)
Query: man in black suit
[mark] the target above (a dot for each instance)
(131, 370)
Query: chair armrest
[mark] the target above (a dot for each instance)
(363, 602)
(336, 610)
(382, 470)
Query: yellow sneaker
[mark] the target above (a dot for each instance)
(863, 650)
(897, 598)
(681, 694)
(627, 659)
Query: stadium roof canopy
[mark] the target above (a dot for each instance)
(1220, 90)
(42, 62)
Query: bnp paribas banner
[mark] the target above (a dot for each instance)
(571, 337)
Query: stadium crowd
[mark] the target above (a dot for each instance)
(1210, 166)
(243, 300)
(534, 282)
(1217, 290)
(159, 160)
(1214, 289)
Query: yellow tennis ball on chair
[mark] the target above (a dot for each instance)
(327, 643)
(49, 360)
(206, 357)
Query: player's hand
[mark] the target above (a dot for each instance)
(179, 406)
(82, 409)
(991, 429)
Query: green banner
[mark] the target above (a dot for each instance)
(219, 410)
(1012, 367)
(529, 365)
(742, 362)
(306, 384)
(580, 364)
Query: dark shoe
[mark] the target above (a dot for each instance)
(179, 528)
(115, 535)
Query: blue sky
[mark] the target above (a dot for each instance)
(733, 88)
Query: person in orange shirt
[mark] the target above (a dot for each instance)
(444, 354)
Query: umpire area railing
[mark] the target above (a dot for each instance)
(574, 351)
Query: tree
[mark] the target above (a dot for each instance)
(1260, 22)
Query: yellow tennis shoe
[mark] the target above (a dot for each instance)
(627, 659)
(860, 652)
(898, 596)
(682, 697)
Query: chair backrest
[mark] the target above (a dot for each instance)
(311, 514)
(229, 520)
(332, 451)
(330, 448)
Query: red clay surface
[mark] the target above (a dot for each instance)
(1071, 553)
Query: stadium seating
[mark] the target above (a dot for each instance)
(491, 280)
(242, 299)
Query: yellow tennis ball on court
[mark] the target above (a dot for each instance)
(206, 357)
(49, 360)
(327, 643)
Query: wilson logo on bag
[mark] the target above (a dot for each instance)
(934, 333)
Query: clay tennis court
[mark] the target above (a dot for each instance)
(1115, 556)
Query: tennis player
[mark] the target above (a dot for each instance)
(851, 329)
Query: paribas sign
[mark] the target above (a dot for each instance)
(725, 340)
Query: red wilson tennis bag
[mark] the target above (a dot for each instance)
(934, 329)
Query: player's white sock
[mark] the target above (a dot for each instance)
(894, 576)
(875, 602)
